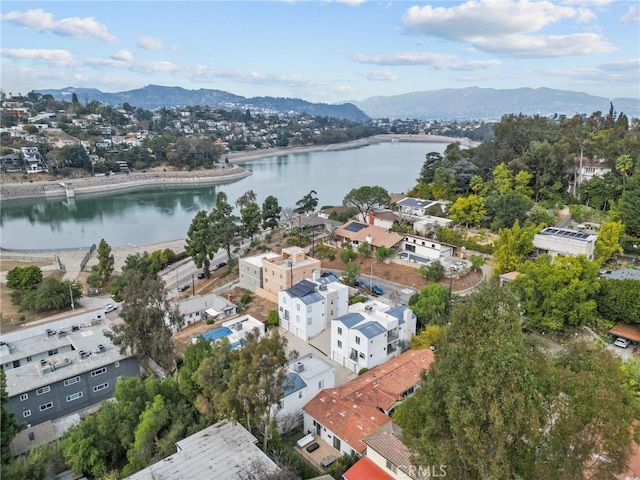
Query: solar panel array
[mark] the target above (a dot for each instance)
(355, 227)
(566, 233)
(302, 288)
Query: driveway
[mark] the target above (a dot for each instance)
(343, 375)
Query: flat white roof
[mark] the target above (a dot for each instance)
(88, 334)
(225, 450)
(256, 260)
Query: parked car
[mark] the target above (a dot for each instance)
(361, 284)
(183, 288)
(110, 307)
(622, 342)
(220, 265)
(201, 275)
(375, 289)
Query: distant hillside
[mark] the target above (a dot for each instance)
(155, 96)
(491, 104)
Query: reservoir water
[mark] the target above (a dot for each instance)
(161, 214)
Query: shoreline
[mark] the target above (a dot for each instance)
(85, 186)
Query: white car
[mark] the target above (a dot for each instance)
(622, 342)
(110, 307)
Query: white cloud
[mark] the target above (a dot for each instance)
(631, 65)
(545, 46)
(140, 67)
(632, 15)
(151, 43)
(407, 58)
(353, 3)
(71, 27)
(584, 3)
(436, 60)
(378, 75)
(490, 18)
(59, 58)
(122, 55)
(585, 15)
(473, 65)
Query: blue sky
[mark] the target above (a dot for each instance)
(323, 51)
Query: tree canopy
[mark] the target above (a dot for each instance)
(494, 406)
(366, 199)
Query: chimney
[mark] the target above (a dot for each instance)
(229, 297)
(371, 218)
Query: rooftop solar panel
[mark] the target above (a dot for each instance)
(302, 288)
(355, 227)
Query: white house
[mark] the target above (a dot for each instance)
(422, 250)
(417, 206)
(370, 334)
(201, 307)
(565, 242)
(307, 308)
(306, 377)
(590, 168)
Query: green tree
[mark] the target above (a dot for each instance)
(273, 319)
(434, 271)
(364, 249)
(506, 209)
(431, 305)
(106, 260)
(224, 224)
(624, 164)
(477, 409)
(431, 162)
(147, 321)
(619, 300)
(24, 278)
(608, 242)
(522, 181)
(366, 199)
(502, 179)
(307, 204)
(52, 294)
(559, 292)
(200, 244)
(382, 253)
(468, 210)
(430, 336)
(630, 206)
(250, 216)
(477, 262)
(10, 426)
(246, 198)
(512, 247)
(270, 212)
(347, 254)
(351, 273)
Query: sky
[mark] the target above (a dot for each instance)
(322, 51)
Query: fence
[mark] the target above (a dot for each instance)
(85, 259)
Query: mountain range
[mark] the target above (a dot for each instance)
(447, 104)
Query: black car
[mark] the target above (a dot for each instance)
(220, 265)
(183, 288)
(201, 275)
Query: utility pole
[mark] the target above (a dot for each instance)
(73, 307)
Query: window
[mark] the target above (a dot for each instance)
(99, 371)
(71, 381)
(361, 355)
(308, 320)
(336, 443)
(298, 307)
(43, 390)
(339, 330)
(391, 467)
(29, 359)
(357, 340)
(24, 396)
(46, 406)
(26, 413)
(321, 384)
(102, 386)
(74, 396)
(300, 394)
(53, 352)
(339, 343)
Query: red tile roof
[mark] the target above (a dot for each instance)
(356, 409)
(365, 469)
(379, 236)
